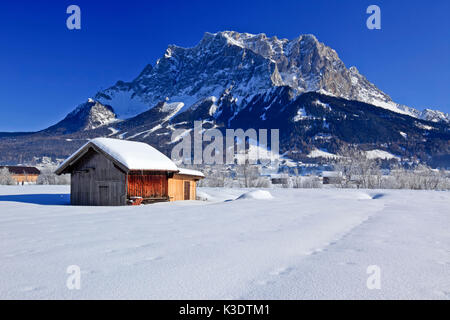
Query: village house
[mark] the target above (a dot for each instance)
(23, 175)
(113, 172)
(331, 177)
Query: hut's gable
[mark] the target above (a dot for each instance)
(129, 155)
(96, 180)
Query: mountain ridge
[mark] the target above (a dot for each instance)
(303, 63)
(241, 80)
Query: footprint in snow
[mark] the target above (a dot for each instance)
(89, 272)
(280, 271)
(153, 258)
(445, 293)
(31, 288)
(347, 263)
(264, 282)
(141, 246)
(145, 260)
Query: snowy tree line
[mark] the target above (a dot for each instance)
(354, 168)
(6, 177)
(47, 177)
(359, 171)
(239, 176)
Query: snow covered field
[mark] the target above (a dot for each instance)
(299, 244)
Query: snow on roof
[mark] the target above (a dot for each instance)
(331, 174)
(21, 170)
(190, 172)
(132, 155)
(135, 155)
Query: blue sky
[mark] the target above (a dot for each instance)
(47, 70)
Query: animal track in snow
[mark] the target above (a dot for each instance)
(31, 288)
(281, 271)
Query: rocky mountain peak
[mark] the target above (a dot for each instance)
(87, 116)
(249, 64)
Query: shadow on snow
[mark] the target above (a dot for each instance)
(42, 199)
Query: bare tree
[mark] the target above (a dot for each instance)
(48, 177)
(310, 182)
(215, 176)
(357, 169)
(6, 177)
(420, 178)
(249, 176)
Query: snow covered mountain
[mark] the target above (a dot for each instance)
(246, 65)
(239, 80)
(87, 116)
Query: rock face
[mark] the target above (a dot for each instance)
(244, 65)
(434, 116)
(87, 116)
(240, 80)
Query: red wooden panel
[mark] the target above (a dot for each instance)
(147, 185)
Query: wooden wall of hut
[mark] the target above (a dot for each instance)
(182, 187)
(148, 184)
(96, 181)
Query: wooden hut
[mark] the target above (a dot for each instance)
(112, 172)
(23, 175)
(183, 184)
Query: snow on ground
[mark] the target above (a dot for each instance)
(300, 244)
(316, 153)
(256, 194)
(380, 154)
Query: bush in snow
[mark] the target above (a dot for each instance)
(215, 176)
(306, 182)
(298, 181)
(249, 176)
(202, 196)
(357, 169)
(48, 177)
(6, 178)
(421, 178)
(217, 179)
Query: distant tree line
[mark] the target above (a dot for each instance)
(359, 171)
(47, 177)
(353, 167)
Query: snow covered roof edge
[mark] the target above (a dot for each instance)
(130, 154)
(190, 172)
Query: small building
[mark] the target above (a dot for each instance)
(331, 177)
(113, 172)
(279, 179)
(23, 175)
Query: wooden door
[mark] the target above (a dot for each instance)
(187, 190)
(104, 195)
